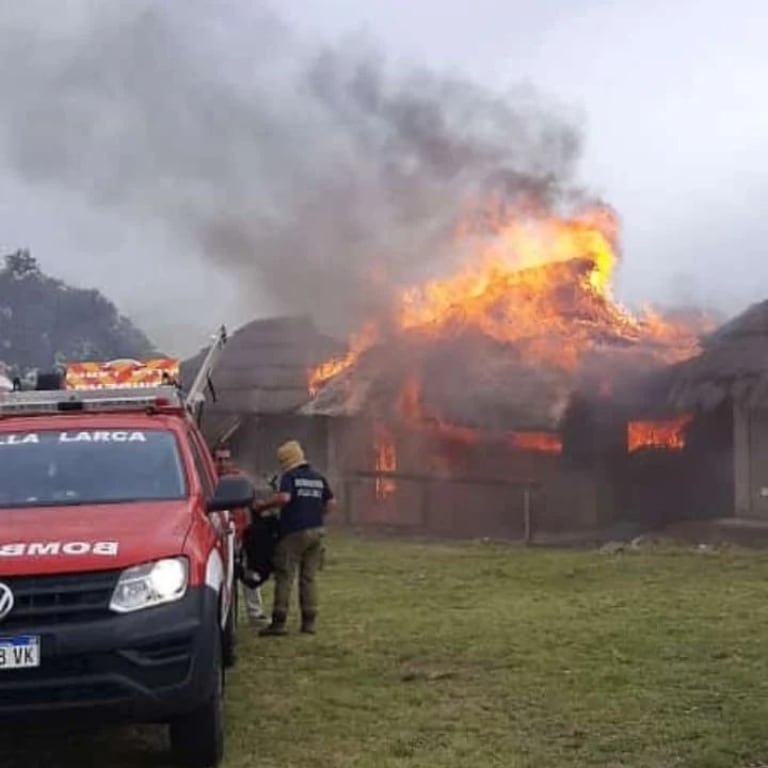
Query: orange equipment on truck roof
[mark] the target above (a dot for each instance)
(125, 373)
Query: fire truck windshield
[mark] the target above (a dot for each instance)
(57, 468)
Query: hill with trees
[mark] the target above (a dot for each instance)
(44, 321)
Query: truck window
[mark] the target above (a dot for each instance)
(52, 468)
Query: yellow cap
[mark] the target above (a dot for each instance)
(290, 455)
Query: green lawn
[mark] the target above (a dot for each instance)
(484, 655)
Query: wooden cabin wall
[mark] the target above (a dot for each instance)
(658, 487)
(578, 493)
(484, 503)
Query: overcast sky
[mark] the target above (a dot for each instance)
(672, 97)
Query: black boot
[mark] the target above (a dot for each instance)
(276, 628)
(308, 622)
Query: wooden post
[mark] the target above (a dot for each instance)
(426, 495)
(327, 426)
(742, 484)
(527, 522)
(348, 501)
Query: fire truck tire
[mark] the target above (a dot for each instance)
(197, 738)
(229, 635)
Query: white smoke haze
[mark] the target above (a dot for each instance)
(324, 177)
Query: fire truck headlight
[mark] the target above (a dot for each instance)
(151, 584)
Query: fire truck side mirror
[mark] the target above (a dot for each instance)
(232, 492)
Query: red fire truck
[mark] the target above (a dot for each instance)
(117, 554)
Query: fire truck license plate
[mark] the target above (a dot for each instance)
(19, 652)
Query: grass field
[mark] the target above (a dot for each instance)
(482, 655)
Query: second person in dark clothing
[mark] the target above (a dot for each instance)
(304, 499)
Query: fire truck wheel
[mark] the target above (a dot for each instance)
(197, 738)
(229, 637)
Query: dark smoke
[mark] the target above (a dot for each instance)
(322, 178)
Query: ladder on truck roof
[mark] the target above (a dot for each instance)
(195, 397)
(121, 397)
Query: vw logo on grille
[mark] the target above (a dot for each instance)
(6, 600)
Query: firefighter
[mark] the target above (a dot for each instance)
(253, 602)
(304, 498)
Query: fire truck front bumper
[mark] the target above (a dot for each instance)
(148, 666)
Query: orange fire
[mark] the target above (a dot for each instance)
(385, 460)
(540, 442)
(668, 435)
(412, 410)
(539, 281)
(536, 281)
(507, 263)
(327, 370)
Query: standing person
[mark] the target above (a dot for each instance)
(304, 499)
(254, 607)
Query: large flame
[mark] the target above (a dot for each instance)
(504, 264)
(666, 435)
(539, 281)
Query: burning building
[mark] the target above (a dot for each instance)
(499, 397)
(513, 397)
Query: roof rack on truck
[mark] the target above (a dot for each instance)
(118, 385)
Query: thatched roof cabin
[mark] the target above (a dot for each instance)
(262, 371)
(733, 364)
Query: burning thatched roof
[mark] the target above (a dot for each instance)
(480, 383)
(544, 336)
(263, 370)
(469, 380)
(503, 343)
(732, 364)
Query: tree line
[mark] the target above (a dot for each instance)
(45, 322)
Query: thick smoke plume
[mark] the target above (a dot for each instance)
(323, 178)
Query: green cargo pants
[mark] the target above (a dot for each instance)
(302, 552)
